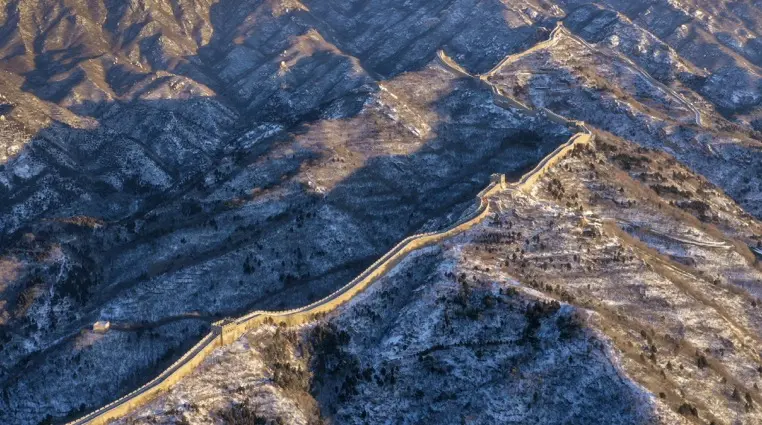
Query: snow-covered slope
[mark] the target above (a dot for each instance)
(606, 293)
(164, 164)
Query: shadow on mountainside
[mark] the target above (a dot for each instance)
(136, 235)
(271, 192)
(168, 213)
(477, 363)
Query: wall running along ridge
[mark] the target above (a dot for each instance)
(227, 331)
(498, 97)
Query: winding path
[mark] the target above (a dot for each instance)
(680, 239)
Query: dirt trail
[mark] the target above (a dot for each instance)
(684, 279)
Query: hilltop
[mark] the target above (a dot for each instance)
(167, 164)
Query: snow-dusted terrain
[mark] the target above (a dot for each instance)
(589, 298)
(167, 164)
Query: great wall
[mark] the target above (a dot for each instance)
(559, 31)
(498, 97)
(227, 331)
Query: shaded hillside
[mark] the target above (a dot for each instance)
(164, 164)
(598, 296)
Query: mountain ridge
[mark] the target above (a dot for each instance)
(166, 164)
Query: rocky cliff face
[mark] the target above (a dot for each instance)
(164, 164)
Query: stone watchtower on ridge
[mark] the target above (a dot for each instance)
(498, 179)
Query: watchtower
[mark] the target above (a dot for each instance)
(221, 328)
(498, 179)
(101, 326)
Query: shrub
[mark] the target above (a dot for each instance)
(701, 361)
(686, 409)
(277, 353)
(245, 414)
(569, 325)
